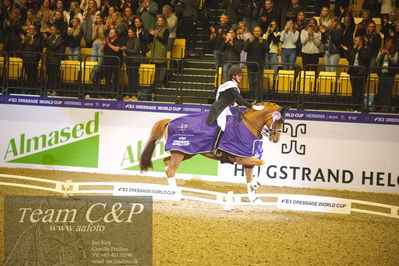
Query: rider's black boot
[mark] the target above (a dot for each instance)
(216, 141)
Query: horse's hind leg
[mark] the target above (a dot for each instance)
(172, 163)
(252, 183)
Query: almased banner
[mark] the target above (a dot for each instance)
(332, 150)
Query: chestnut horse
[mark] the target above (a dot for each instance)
(268, 121)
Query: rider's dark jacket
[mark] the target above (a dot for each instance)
(228, 93)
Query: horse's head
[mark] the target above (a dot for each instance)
(274, 123)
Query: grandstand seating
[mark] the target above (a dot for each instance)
(306, 81)
(326, 82)
(285, 81)
(146, 75)
(70, 71)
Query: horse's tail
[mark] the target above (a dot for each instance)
(156, 133)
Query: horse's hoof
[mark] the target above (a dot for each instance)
(255, 185)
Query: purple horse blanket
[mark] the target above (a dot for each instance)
(190, 134)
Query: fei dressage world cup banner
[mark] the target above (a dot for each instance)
(330, 150)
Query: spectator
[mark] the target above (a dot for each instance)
(158, 49)
(190, 17)
(62, 26)
(98, 38)
(32, 48)
(325, 18)
(340, 6)
(293, 10)
(251, 10)
(300, 24)
(128, 17)
(55, 48)
(117, 23)
(373, 6)
(147, 11)
(13, 32)
(243, 34)
(311, 41)
(362, 26)
(373, 41)
(104, 9)
(289, 37)
(45, 16)
(89, 17)
(231, 48)
(172, 22)
(30, 20)
(359, 59)
(59, 6)
(132, 50)
(272, 36)
(112, 60)
(84, 4)
(74, 36)
(267, 14)
(142, 35)
(386, 58)
(74, 11)
(348, 29)
(132, 4)
(332, 38)
(231, 7)
(178, 8)
(388, 24)
(256, 48)
(218, 35)
(395, 35)
(319, 5)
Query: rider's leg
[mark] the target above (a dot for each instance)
(221, 121)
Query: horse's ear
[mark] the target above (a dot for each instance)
(283, 110)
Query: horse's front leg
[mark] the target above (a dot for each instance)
(171, 164)
(252, 183)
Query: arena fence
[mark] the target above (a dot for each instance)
(227, 200)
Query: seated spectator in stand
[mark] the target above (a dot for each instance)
(88, 19)
(251, 9)
(243, 34)
(190, 17)
(386, 59)
(74, 36)
(231, 7)
(256, 48)
(373, 41)
(32, 48)
(359, 60)
(388, 24)
(268, 13)
(159, 48)
(325, 17)
(311, 41)
(231, 48)
(13, 32)
(319, 5)
(332, 38)
(340, 6)
(147, 11)
(272, 36)
(218, 35)
(45, 16)
(74, 11)
(55, 49)
(62, 26)
(294, 8)
(111, 65)
(172, 25)
(348, 28)
(142, 35)
(98, 38)
(362, 26)
(289, 37)
(132, 50)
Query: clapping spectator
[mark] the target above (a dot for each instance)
(372, 39)
(147, 11)
(243, 34)
(128, 17)
(132, 50)
(348, 28)
(32, 48)
(88, 19)
(218, 35)
(268, 13)
(289, 37)
(45, 16)
(325, 17)
(142, 35)
(231, 48)
(74, 36)
(112, 50)
(62, 26)
(159, 48)
(74, 11)
(388, 24)
(272, 36)
(332, 38)
(172, 25)
(311, 41)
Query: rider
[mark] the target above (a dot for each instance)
(227, 94)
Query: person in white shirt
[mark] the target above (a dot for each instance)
(289, 37)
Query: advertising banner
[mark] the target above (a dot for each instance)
(330, 150)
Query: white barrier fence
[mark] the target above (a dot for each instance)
(227, 200)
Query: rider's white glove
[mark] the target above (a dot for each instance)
(258, 107)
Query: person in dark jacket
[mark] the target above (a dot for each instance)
(74, 36)
(231, 7)
(142, 35)
(61, 24)
(332, 37)
(55, 48)
(13, 31)
(112, 60)
(251, 9)
(227, 94)
(268, 13)
(373, 41)
(359, 59)
(218, 35)
(32, 48)
(348, 28)
(256, 48)
(132, 50)
(231, 48)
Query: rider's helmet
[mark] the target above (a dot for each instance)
(235, 70)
